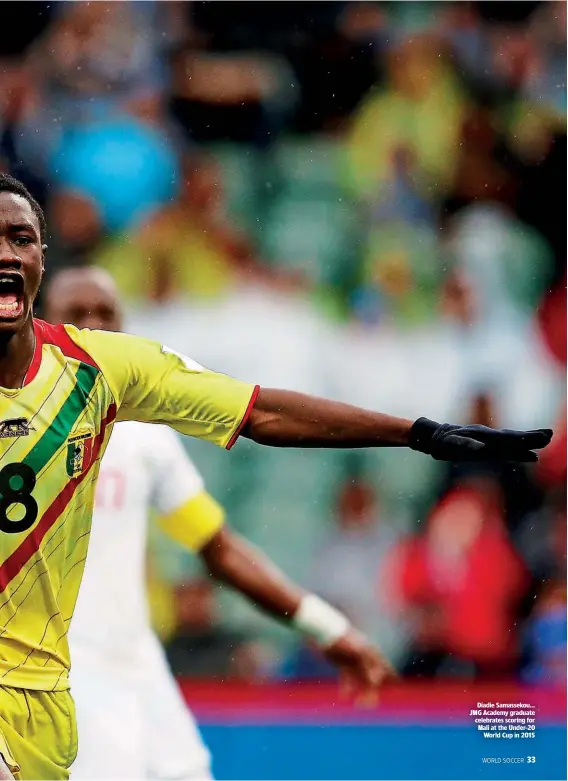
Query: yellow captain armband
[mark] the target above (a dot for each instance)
(194, 523)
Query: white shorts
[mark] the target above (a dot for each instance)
(134, 726)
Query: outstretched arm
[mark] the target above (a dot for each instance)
(233, 560)
(152, 383)
(287, 419)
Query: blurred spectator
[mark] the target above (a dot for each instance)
(401, 276)
(542, 540)
(310, 69)
(187, 249)
(507, 263)
(76, 225)
(499, 348)
(220, 92)
(96, 63)
(481, 173)
(349, 569)
(201, 646)
(15, 89)
(461, 583)
(544, 83)
(97, 57)
(545, 638)
(126, 167)
(415, 116)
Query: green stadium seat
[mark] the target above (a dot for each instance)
(239, 165)
(313, 235)
(311, 164)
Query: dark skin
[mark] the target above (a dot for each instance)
(88, 298)
(288, 419)
(21, 257)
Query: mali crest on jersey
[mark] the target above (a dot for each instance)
(79, 452)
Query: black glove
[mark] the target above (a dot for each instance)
(446, 442)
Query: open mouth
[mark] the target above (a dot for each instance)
(11, 295)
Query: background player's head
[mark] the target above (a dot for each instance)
(22, 232)
(85, 297)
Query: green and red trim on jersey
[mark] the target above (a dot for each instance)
(45, 333)
(24, 552)
(60, 428)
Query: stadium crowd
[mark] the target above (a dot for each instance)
(360, 200)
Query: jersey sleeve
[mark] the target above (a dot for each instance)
(153, 384)
(187, 513)
(175, 479)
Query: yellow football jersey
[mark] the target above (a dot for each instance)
(53, 433)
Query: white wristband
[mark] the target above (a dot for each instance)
(319, 620)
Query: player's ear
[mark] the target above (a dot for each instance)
(43, 251)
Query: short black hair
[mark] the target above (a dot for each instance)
(8, 184)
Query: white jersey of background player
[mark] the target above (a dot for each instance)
(132, 721)
(129, 709)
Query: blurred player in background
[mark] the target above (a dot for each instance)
(131, 716)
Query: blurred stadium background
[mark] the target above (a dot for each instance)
(360, 200)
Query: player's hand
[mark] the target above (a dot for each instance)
(446, 442)
(362, 668)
